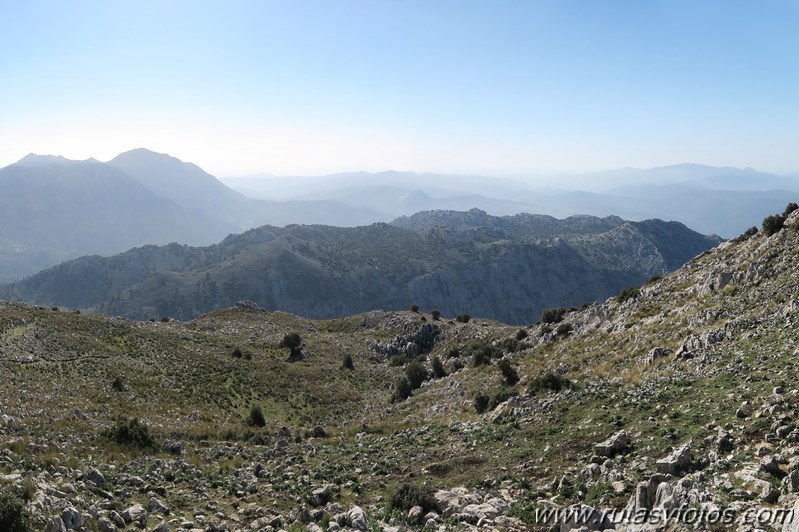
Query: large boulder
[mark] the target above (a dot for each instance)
(678, 461)
(613, 445)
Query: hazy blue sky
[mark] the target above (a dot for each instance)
(492, 87)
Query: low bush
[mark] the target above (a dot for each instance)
(521, 334)
(463, 318)
(548, 381)
(130, 432)
(509, 374)
(416, 374)
(402, 390)
(436, 314)
(438, 368)
(14, 517)
(553, 315)
(256, 417)
(563, 329)
(773, 224)
(406, 496)
(347, 363)
(628, 293)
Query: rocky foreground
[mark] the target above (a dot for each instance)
(670, 407)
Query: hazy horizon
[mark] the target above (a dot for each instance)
(313, 88)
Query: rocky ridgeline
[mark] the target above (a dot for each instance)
(411, 345)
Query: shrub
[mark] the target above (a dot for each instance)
(256, 417)
(481, 402)
(453, 352)
(463, 318)
(130, 432)
(402, 390)
(438, 368)
(237, 353)
(14, 517)
(436, 314)
(548, 381)
(553, 315)
(773, 224)
(509, 374)
(347, 363)
(752, 231)
(416, 374)
(294, 342)
(628, 293)
(399, 360)
(414, 308)
(653, 279)
(521, 334)
(789, 209)
(500, 397)
(118, 384)
(509, 345)
(563, 329)
(407, 496)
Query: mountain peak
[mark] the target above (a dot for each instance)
(33, 159)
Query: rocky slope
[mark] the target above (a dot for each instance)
(505, 268)
(676, 402)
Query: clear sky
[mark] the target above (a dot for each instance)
(490, 87)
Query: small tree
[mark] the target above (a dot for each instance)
(414, 308)
(436, 314)
(438, 368)
(256, 417)
(402, 390)
(509, 374)
(481, 402)
(416, 374)
(294, 342)
(347, 363)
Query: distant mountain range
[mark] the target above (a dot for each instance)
(506, 268)
(708, 199)
(54, 209)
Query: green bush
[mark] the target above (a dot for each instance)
(463, 318)
(481, 402)
(752, 231)
(789, 209)
(501, 396)
(452, 353)
(118, 384)
(397, 361)
(130, 432)
(14, 517)
(509, 345)
(402, 390)
(553, 315)
(407, 496)
(548, 381)
(521, 334)
(435, 313)
(294, 342)
(256, 417)
(438, 368)
(563, 329)
(416, 374)
(482, 353)
(509, 374)
(773, 224)
(414, 308)
(628, 293)
(347, 363)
